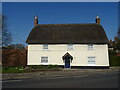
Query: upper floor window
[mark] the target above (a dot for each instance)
(70, 46)
(90, 47)
(45, 46)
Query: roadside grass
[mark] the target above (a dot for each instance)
(12, 69)
(31, 68)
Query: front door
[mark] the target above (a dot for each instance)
(67, 62)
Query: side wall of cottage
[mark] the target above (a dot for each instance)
(80, 54)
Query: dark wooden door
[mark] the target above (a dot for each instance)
(67, 62)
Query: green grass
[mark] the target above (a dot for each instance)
(12, 70)
(30, 68)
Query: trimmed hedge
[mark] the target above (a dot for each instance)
(14, 57)
(114, 60)
(31, 68)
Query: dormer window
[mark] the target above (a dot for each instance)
(45, 46)
(90, 47)
(70, 46)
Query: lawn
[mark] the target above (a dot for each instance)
(31, 68)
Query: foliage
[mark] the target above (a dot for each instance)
(43, 68)
(114, 60)
(14, 46)
(116, 44)
(30, 68)
(0, 31)
(6, 36)
(119, 33)
(14, 57)
(110, 43)
(112, 52)
(12, 69)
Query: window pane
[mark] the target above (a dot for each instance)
(70, 46)
(91, 60)
(44, 59)
(45, 46)
(90, 47)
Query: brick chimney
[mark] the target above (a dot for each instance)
(35, 21)
(97, 20)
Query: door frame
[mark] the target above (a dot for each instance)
(70, 65)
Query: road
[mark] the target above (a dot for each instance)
(98, 80)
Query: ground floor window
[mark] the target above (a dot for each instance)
(91, 60)
(44, 59)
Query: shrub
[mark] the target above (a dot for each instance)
(114, 60)
(12, 69)
(112, 52)
(14, 57)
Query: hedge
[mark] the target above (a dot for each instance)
(114, 60)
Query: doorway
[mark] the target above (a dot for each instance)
(67, 60)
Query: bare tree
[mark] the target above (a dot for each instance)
(6, 35)
(119, 33)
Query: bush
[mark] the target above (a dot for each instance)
(45, 67)
(14, 57)
(30, 68)
(114, 60)
(12, 69)
(112, 52)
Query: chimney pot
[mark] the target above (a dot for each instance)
(97, 20)
(35, 21)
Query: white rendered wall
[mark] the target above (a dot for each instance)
(80, 54)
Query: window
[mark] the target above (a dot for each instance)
(90, 47)
(44, 59)
(91, 60)
(45, 47)
(70, 46)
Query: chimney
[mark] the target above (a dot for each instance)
(35, 21)
(97, 20)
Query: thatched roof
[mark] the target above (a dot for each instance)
(67, 34)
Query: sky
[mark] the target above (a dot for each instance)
(20, 16)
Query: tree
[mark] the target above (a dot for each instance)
(110, 44)
(6, 35)
(116, 43)
(15, 46)
(0, 30)
(119, 33)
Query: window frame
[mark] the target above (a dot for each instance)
(90, 46)
(88, 60)
(44, 47)
(69, 47)
(45, 60)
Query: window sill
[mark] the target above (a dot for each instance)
(91, 64)
(44, 64)
(45, 50)
(70, 49)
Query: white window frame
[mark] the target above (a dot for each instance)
(44, 60)
(90, 47)
(70, 47)
(91, 60)
(45, 46)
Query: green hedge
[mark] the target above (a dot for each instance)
(12, 69)
(30, 68)
(114, 60)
